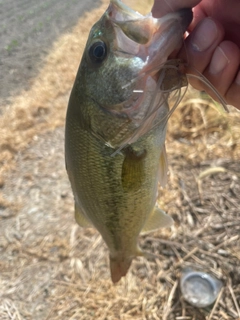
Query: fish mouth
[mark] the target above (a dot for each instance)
(143, 44)
(145, 31)
(151, 39)
(148, 39)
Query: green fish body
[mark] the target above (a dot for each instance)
(116, 127)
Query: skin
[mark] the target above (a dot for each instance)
(218, 56)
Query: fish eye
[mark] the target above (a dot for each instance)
(98, 51)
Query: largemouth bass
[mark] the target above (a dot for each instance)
(116, 126)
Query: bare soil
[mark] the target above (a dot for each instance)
(52, 269)
(27, 30)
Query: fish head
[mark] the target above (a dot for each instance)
(123, 56)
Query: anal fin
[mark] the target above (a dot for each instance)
(157, 219)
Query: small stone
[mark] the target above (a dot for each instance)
(223, 252)
(64, 194)
(2, 182)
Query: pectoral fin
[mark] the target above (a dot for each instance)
(157, 219)
(163, 167)
(80, 218)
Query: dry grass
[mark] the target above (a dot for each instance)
(52, 269)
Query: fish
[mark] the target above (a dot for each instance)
(116, 125)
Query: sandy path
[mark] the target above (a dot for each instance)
(27, 31)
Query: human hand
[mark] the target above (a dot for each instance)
(213, 45)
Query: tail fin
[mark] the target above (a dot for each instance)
(119, 267)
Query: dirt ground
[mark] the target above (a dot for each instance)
(52, 269)
(27, 31)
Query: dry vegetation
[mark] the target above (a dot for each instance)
(52, 269)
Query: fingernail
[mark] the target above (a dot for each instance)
(205, 35)
(219, 61)
(238, 78)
